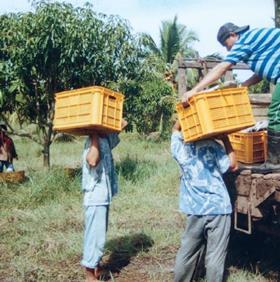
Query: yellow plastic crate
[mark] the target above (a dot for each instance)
(249, 147)
(212, 113)
(82, 110)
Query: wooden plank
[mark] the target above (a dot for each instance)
(260, 111)
(182, 85)
(229, 76)
(260, 99)
(260, 103)
(209, 65)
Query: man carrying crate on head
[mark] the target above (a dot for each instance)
(204, 199)
(260, 49)
(99, 185)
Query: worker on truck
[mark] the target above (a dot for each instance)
(260, 49)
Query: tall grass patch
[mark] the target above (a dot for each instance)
(41, 219)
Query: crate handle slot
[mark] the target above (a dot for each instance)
(186, 105)
(112, 97)
(236, 136)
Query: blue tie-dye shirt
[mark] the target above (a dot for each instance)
(202, 163)
(99, 183)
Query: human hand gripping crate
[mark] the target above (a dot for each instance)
(215, 112)
(82, 110)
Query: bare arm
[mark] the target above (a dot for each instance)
(176, 126)
(124, 123)
(93, 155)
(252, 80)
(212, 76)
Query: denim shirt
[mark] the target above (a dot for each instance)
(202, 163)
(99, 183)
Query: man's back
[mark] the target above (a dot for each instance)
(260, 49)
(202, 163)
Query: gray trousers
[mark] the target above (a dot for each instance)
(207, 231)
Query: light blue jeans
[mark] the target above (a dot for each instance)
(96, 225)
(9, 166)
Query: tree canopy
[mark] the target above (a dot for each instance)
(59, 47)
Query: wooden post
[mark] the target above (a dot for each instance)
(202, 68)
(182, 85)
(228, 75)
(277, 13)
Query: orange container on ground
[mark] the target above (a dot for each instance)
(249, 147)
(216, 112)
(91, 108)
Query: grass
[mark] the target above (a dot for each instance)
(41, 221)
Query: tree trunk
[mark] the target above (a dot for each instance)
(277, 13)
(46, 155)
(46, 146)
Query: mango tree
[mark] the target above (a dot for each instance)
(58, 47)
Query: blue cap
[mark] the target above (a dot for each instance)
(227, 28)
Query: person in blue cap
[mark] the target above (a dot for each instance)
(260, 49)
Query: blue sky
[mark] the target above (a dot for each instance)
(202, 16)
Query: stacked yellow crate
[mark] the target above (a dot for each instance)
(249, 147)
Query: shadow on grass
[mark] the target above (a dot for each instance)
(123, 249)
(134, 170)
(131, 169)
(258, 253)
(73, 172)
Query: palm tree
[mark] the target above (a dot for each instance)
(175, 41)
(175, 38)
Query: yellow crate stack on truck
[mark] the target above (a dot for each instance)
(249, 147)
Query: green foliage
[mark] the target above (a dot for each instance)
(59, 47)
(148, 104)
(192, 77)
(41, 188)
(176, 38)
(154, 105)
(64, 137)
(261, 87)
(149, 99)
(56, 48)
